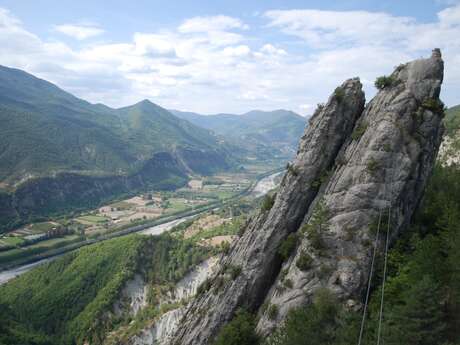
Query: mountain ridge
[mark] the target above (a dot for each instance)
(58, 150)
(277, 129)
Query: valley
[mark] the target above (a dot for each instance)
(37, 241)
(194, 207)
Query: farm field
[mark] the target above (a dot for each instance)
(40, 237)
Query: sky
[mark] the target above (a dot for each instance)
(216, 56)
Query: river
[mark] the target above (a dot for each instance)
(262, 187)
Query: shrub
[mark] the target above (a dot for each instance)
(287, 246)
(283, 273)
(225, 247)
(372, 166)
(234, 271)
(317, 225)
(239, 331)
(359, 131)
(304, 261)
(435, 105)
(324, 271)
(272, 311)
(384, 82)
(339, 94)
(317, 324)
(292, 169)
(288, 283)
(268, 202)
(204, 286)
(219, 283)
(315, 239)
(319, 107)
(387, 147)
(324, 177)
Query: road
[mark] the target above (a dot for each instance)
(262, 187)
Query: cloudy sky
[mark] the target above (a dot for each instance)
(224, 56)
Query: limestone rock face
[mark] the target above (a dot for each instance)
(352, 161)
(255, 253)
(386, 167)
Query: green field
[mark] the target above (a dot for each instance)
(93, 219)
(122, 205)
(11, 240)
(37, 248)
(53, 242)
(41, 227)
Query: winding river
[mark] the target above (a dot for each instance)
(262, 187)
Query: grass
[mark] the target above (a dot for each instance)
(53, 242)
(41, 227)
(9, 256)
(122, 205)
(11, 240)
(176, 205)
(93, 219)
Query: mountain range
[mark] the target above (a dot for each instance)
(261, 131)
(59, 152)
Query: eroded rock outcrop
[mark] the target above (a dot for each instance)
(384, 166)
(353, 163)
(254, 255)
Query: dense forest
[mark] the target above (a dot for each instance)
(69, 300)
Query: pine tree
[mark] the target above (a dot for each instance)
(419, 321)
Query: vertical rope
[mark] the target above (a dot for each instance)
(363, 320)
(384, 275)
(385, 264)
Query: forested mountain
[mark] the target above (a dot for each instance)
(278, 129)
(46, 130)
(59, 152)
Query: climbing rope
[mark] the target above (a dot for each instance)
(363, 320)
(385, 264)
(384, 276)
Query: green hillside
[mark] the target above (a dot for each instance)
(46, 130)
(452, 119)
(278, 130)
(67, 301)
(60, 153)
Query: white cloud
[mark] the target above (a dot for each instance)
(213, 64)
(213, 23)
(323, 29)
(79, 31)
(241, 50)
(272, 50)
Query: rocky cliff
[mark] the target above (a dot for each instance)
(354, 163)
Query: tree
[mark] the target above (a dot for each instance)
(315, 324)
(317, 225)
(239, 331)
(419, 320)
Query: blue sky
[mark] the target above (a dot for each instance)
(224, 56)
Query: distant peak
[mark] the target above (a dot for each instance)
(145, 102)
